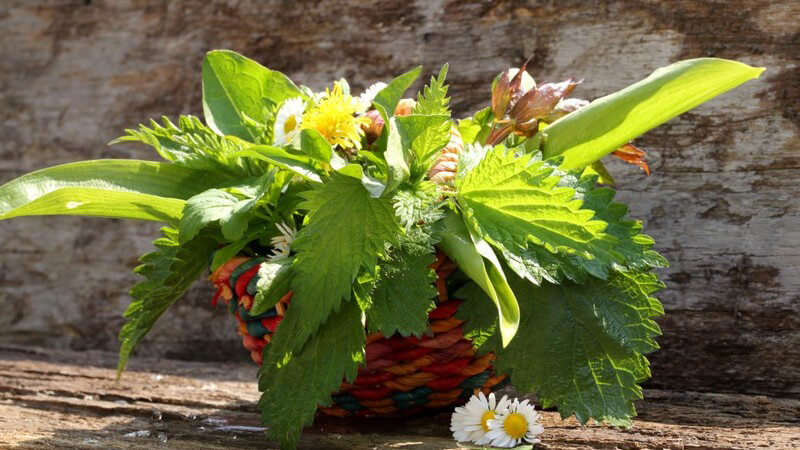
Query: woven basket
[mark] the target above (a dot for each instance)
(403, 375)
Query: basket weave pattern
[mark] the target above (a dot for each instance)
(402, 375)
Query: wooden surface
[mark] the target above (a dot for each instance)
(70, 400)
(723, 202)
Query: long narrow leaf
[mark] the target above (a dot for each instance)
(78, 201)
(123, 175)
(301, 165)
(607, 123)
(460, 246)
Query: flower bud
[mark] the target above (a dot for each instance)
(405, 107)
(564, 107)
(374, 128)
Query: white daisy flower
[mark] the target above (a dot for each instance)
(366, 98)
(470, 422)
(517, 423)
(282, 245)
(288, 120)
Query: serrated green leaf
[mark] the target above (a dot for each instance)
(421, 138)
(596, 130)
(404, 292)
(235, 88)
(168, 272)
(457, 242)
(396, 157)
(579, 347)
(346, 231)
(433, 100)
(515, 203)
(293, 383)
(205, 208)
(387, 99)
(417, 204)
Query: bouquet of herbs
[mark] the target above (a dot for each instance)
(349, 197)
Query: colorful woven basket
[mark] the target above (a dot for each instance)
(402, 375)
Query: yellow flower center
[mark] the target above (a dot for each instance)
(334, 118)
(290, 124)
(515, 425)
(485, 418)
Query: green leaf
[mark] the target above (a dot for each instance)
(313, 145)
(594, 131)
(346, 231)
(235, 88)
(293, 383)
(396, 156)
(77, 201)
(579, 347)
(421, 138)
(404, 292)
(515, 203)
(168, 272)
(274, 281)
(191, 144)
(224, 254)
(210, 206)
(476, 128)
(434, 100)
(388, 98)
(417, 204)
(301, 165)
(457, 242)
(134, 176)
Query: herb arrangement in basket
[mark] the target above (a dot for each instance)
(381, 257)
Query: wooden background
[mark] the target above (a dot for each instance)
(723, 202)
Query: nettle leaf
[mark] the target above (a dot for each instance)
(418, 204)
(476, 129)
(169, 272)
(346, 231)
(387, 99)
(579, 347)
(309, 374)
(404, 292)
(517, 204)
(421, 138)
(211, 206)
(236, 89)
(433, 100)
(596, 130)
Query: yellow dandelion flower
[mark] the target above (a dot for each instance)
(334, 118)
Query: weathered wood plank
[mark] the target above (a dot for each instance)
(70, 400)
(723, 203)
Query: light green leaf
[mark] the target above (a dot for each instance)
(594, 131)
(396, 156)
(433, 100)
(235, 87)
(388, 98)
(309, 374)
(580, 347)
(301, 165)
(75, 201)
(168, 272)
(274, 281)
(404, 292)
(134, 176)
(421, 138)
(346, 231)
(476, 129)
(205, 208)
(224, 254)
(514, 203)
(313, 145)
(458, 244)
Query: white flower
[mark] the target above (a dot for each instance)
(470, 422)
(288, 120)
(282, 245)
(366, 98)
(517, 423)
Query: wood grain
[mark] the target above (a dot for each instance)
(722, 202)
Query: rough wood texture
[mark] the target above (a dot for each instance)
(722, 203)
(70, 400)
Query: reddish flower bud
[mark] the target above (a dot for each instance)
(508, 90)
(405, 107)
(538, 103)
(374, 128)
(632, 155)
(564, 107)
